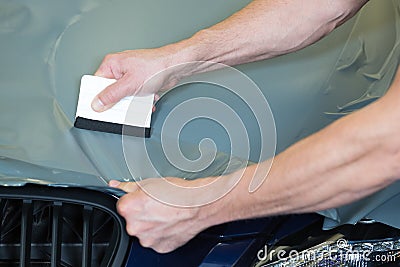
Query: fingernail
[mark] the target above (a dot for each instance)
(97, 105)
(114, 183)
(98, 73)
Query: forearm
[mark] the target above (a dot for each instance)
(267, 28)
(263, 29)
(348, 160)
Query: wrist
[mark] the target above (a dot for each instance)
(215, 208)
(193, 54)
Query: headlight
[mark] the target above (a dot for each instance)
(337, 250)
(340, 253)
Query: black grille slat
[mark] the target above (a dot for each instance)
(60, 226)
(105, 262)
(3, 203)
(56, 234)
(87, 238)
(26, 233)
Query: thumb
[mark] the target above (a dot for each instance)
(125, 186)
(112, 94)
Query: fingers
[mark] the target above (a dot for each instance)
(156, 98)
(125, 186)
(112, 94)
(105, 69)
(110, 68)
(131, 69)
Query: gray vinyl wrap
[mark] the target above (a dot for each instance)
(46, 46)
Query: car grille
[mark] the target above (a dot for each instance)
(60, 226)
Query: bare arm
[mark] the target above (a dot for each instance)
(261, 30)
(350, 159)
(268, 28)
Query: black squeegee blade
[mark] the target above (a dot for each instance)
(109, 127)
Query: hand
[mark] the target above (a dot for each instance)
(132, 69)
(156, 225)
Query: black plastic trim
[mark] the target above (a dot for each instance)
(89, 199)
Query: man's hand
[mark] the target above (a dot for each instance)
(132, 69)
(156, 225)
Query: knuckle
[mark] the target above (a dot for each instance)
(165, 246)
(122, 206)
(131, 230)
(147, 242)
(109, 58)
(162, 250)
